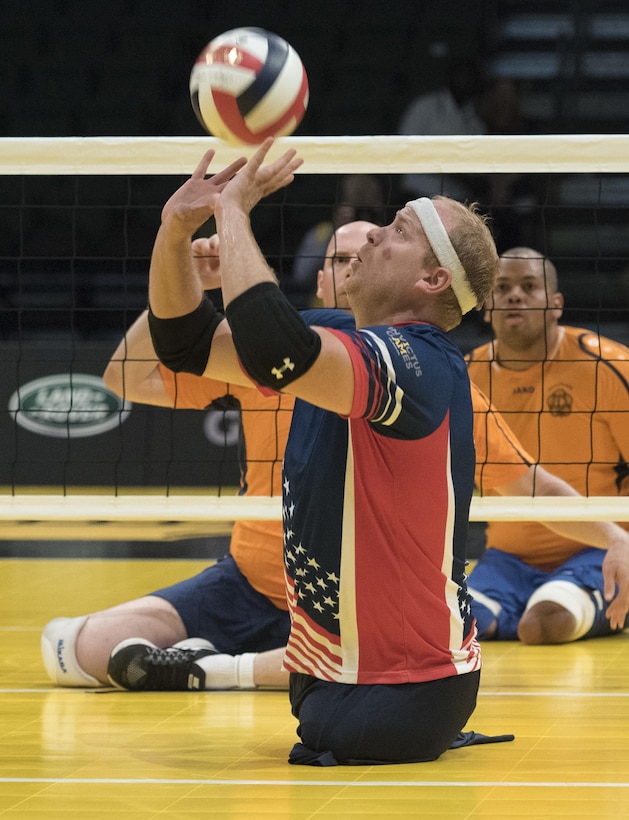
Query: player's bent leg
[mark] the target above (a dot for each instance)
(560, 612)
(267, 669)
(192, 665)
(247, 631)
(500, 585)
(75, 651)
(546, 623)
(150, 617)
(58, 649)
(251, 670)
(139, 665)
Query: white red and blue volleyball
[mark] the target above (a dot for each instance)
(249, 84)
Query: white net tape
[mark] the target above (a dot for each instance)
(324, 155)
(548, 153)
(201, 509)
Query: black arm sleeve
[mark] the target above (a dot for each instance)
(274, 344)
(183, 343)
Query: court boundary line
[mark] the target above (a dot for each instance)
(74, 690)
(155, 781)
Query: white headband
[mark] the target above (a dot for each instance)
(442, 248)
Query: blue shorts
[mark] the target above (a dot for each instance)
(509, 582)
(220, 605)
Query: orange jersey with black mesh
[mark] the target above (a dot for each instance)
(256, 546)
(500, 458)
(571, 413)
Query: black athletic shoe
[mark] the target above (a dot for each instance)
(138, 664)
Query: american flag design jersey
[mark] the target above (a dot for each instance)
(375, 510)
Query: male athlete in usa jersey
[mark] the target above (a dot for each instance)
(379, 465)
(377, 584)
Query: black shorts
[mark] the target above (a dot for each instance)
(359, 724)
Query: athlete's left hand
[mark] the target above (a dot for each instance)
(256, 181)
(194, 202)
(616, 581)
(205, 257)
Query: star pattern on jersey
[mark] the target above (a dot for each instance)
(465, 603)
(316, 587)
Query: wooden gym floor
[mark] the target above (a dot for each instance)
(75, 753)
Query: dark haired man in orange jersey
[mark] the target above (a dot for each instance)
(564, 391)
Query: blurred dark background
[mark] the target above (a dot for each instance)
(74, 251)
(121, 68)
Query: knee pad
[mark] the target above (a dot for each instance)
(486, 611)
(578, 601)
(58, 642)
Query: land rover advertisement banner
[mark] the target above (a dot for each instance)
(61, 427)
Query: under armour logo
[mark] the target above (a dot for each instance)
(278, 372)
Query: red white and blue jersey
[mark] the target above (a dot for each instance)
(375, 510)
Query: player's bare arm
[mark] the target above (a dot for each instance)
(175, 288)
(325, 377)
(133, 370)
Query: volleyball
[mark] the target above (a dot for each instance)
(248, 84)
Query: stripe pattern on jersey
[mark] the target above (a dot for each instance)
(385, 607)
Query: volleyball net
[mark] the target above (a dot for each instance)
(79, 216)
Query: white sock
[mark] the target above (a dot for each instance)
(228, 671)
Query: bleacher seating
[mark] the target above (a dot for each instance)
(122, 68)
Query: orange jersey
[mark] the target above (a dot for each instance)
(500, 458)
(256, 546)
(570, 412)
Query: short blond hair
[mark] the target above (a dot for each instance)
(474, 244)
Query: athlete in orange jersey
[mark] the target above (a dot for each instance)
(565, 393)
(239, 604)
(265, 422)
(248, 587)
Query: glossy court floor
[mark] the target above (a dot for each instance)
(75, 753)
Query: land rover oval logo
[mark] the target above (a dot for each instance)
(67, 405)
